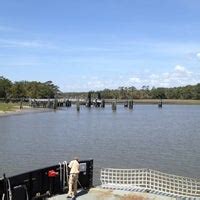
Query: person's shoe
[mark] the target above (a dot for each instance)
(69, 196)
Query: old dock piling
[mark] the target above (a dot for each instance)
(88, 101)
(49, 103)
(21, 104)
(103, 103)
(126, 104)
(160, 103)
(130, 104)
(78, 105)
(114, 105)
(55, 104)
(68, 103)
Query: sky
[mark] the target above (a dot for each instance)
(84, 45)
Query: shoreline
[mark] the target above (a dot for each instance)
(24, 110)
(28, 109)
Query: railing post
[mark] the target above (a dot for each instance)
(5, 183)
(90, 173)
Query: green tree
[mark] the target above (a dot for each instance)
(18, 90)
(5, 86)
(197, 92)
(158, 93)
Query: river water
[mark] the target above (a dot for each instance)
(166, 139)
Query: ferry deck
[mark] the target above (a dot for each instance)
(99, 193)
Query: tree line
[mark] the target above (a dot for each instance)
(34, 89)
(26, 89)
(186, 92)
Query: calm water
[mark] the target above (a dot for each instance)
(165, 139)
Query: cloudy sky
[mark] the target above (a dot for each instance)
(86, 45)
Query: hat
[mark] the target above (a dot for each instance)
(76, 158)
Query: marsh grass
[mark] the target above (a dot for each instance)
(8, 107)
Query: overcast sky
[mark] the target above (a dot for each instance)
(86, 45)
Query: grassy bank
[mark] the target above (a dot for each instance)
(6, 107)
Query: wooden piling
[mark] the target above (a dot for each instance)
(130, 104)
(114, 105)
(49, 104)
(78, 105)
(103, 103)
(55, 104)
(68, 103)
(89, 102)
(160, 104)
(21, 104)
(126, 104)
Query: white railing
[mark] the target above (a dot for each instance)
(151, 181)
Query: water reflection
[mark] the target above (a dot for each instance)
(147, 137)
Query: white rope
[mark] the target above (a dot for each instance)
(150, 180)
(9, 190)
(27, 198)
(64, 176)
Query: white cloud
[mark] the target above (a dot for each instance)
(85, 83)
(179, 76)
(154, 76)
(135, 80)
(198, 55)
(179, 68)
(180, 71)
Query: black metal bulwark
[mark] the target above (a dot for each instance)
(38, 184)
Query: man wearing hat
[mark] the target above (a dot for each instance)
(73, 177)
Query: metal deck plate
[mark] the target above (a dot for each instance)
(105, 194)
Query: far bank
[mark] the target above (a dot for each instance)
(156, 101)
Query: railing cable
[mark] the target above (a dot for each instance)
(151, 181)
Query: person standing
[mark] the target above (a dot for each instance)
(73, 177)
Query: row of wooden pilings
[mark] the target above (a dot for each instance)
(128, 104)
(97, 103)
(55, 103)
(47, 103)
(101, 104)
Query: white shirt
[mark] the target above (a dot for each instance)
(74, 166)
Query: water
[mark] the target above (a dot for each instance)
(166, 139)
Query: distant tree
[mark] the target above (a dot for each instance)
(158, 93)
(18, 90)
(25, 89)
(98, 95)
(89, 95)
(5, 86)
(197, 92)
(145, 87)
(122, 92)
